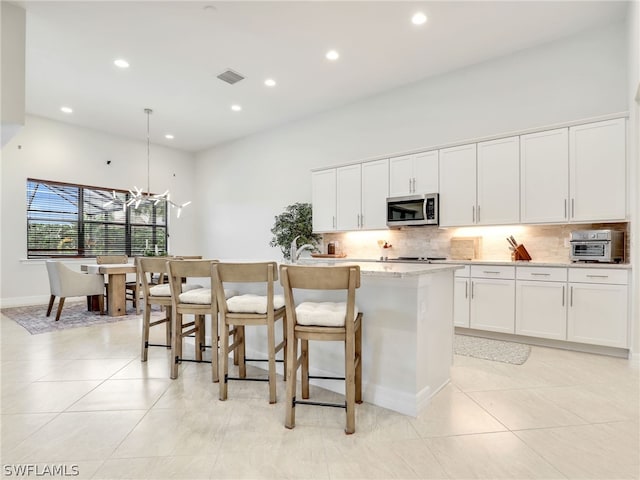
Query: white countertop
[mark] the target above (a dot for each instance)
(387, 269)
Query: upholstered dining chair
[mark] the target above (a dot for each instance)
(65, 282)
(239, 311)
(322, 321)
(132, 288)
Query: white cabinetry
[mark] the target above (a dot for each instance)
(323, 200)
(597, 161)
(598, 306)
(458, 186)
(413, 174)
(375, 190)
(461, 297)
(492, 298)
(498, 182)
(541, 302)
(544, 187)
(348, 191)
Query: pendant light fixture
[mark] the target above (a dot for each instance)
(139, 197)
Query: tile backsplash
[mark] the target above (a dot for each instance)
(545, 243)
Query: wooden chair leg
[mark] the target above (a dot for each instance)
(358, 378)
(51, 300)
(304, 345)
(242, 366)
(101, 304)
(236, 359)
(350, 385)
(215, 356)
(271, 345)
(167, 324)
(223, 363)
(60, 304)
(291, 373)
(199, 336)
(136, 301)
(285, 350)
(176, 341)
(146, 319)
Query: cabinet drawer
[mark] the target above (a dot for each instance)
(547, 274)
(463, 272)
(493, 271)
(599, 275)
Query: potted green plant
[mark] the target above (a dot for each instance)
(294, 225)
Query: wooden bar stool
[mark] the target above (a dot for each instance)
(323, 321)
(248, 310)
(152, 271)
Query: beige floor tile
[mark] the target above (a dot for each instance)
(15, 428)
(180, 467)
(76, 436)
(520, 409)
(26, 371)
(601, 451)
(490, 456)
(86, 369)
(45, 396)
(122, 395)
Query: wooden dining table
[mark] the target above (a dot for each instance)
(117, 278)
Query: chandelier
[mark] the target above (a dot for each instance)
(139, 197)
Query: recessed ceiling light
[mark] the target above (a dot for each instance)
(332, 55)
(236, 108)
(121, 63)
(270, 82)
(66, 109)
(418, 18)
(168, 136)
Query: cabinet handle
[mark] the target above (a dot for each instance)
(466, 289)
(478, 213)
(473, 214)
(597, 276)
(361, 220)
(573, 209)
(472, 289)
(414, 185)
(541, 274)
(565, 208)
(563, 295)
(410, 190)
(334, 221)
(490, 271)
(571, 297)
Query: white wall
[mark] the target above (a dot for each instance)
(12, 38)
(245, 184)
(49, 150)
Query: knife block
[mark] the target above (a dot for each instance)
(520, 253)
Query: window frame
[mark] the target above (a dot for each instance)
(159, 231)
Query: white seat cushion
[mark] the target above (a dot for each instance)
(202, 296)
(323, 314)
(164, 290)
(250, 303)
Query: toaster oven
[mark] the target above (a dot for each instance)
(606, 246)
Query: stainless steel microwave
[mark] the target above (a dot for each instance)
(412, 210)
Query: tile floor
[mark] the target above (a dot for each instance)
(82, 399)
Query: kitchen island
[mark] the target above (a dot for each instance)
(407, 342)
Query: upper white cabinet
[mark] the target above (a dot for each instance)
(323, 200)
(375, 190)
(352, 197)
(458, 185)
(544, 167)
(498, 182)
(348, 191)
(413, 174)
(597, 166)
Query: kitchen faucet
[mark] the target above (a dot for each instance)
(294, 251)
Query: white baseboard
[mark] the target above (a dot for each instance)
(24, 301)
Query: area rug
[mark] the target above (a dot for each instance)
(488, 349)
(74, 314)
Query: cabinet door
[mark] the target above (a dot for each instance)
(492, 305)
(401, 176)
(598, 314)
(597, 159)
(458, 186)
(425, 169)
(544, 175)
(461, 302)
(348, 190)
(498, 182)
(541, 309)
(375, 190)
(323, 200)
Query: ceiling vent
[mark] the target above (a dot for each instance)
(230, 77)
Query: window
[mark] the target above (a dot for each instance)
(65, 220)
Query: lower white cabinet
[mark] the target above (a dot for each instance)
(598, 307)
(492, 298)
(541, 302)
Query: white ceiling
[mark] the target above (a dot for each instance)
(176, 50)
